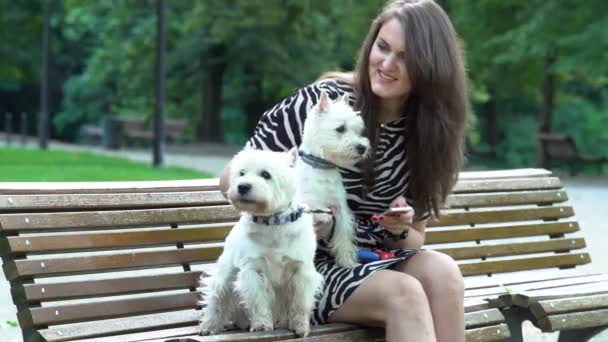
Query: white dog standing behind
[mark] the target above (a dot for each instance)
(266, 272)
(333, 136)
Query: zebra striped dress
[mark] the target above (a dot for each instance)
(280, 129)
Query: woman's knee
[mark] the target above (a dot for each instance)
(436, 272)
(405, 293)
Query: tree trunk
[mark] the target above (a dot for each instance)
(548, 90)
(546, 111)
(492, 126)
(254, 107)
(210, 125)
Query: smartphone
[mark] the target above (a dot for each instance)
(397, 211)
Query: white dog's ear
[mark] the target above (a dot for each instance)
(324, 102)
(292, 156)
(344, 98)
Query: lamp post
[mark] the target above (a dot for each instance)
(43, 120)
(159, 130)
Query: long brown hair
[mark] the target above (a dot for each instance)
(437, 104)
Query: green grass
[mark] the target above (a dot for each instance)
(29, 165)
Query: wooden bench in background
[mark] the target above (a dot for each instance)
(120, 261)
(137, 130)
(562, 148)
(130, 131)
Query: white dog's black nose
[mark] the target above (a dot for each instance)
(361, 149)
(244, 188)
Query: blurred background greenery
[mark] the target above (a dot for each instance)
(533, 65)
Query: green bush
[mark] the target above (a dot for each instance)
(83, 103)
(519, 146)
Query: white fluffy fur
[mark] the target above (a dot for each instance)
(323, 188)
(265, 274)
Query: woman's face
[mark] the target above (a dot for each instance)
(387, 72)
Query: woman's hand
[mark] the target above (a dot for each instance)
(396, 224)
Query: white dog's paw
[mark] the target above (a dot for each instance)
(300, 325)
(261, 326)
(347, 260)
(211, 327)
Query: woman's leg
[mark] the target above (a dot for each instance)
(393, 300)
(444, 287)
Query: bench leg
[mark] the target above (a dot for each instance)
(579, 335)
(515, 317)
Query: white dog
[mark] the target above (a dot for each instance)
(333, 136)
(266, 272)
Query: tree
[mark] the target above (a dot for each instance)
(534, 48)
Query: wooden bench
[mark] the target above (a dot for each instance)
(137, 130)
(120, 261)
(562, 148)
(131, 131)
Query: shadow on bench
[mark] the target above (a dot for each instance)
(120, 261)
(562, 148)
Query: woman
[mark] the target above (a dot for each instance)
(410, 85)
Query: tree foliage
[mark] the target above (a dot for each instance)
(530, 62)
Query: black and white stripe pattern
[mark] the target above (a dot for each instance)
(280, 129)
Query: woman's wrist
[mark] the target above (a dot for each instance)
(397, 237)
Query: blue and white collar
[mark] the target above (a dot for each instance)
(316, 162)
(278, 219)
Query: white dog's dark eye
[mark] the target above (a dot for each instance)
(341, 129)
(241, 173)
(265, 174)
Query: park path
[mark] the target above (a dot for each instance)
(588, 196)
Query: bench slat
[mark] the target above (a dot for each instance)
(105, 201)
(117, 326)
(105, 263)
(576, 320)
(203, 198)
(494, 333)
(527, 298)
(500, 232)
(106, 309)
(25, 188)
(501, 266)
(567, 305)
(351, 333)
(509, 215)
(149, 336)
(515, 184)
(481, 200)
(483, 318)
(488, 251)
(116, 219)
(100, 241)
(515, 288)
(493, 174)
(139, 328)
(105, 287)
(202, 184)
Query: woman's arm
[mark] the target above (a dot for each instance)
(225, 179)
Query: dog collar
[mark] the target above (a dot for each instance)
(279, 219)
(316, 162)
